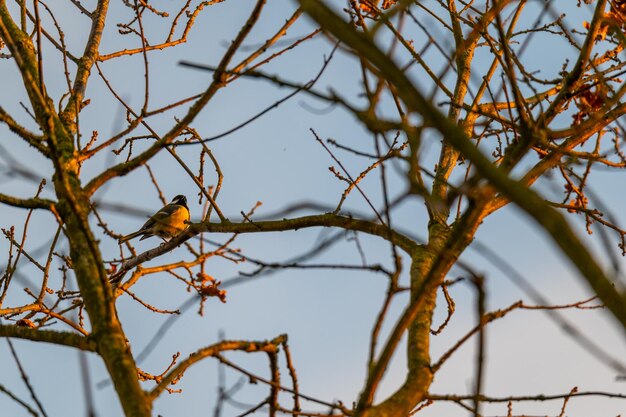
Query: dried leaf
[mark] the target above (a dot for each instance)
(212, 290)
(25, 323)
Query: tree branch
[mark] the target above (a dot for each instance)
(31, 138)
(538, 397)
(49, 336)
(240, 345)
(219, 81)
(30, 203)
(90, 55)
(552, 221)
(320, 220)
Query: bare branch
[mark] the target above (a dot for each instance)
(49, 336)
(31, 203)
(213, 350)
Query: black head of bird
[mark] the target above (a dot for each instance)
(166, 223)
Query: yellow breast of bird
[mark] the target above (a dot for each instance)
(175, 223)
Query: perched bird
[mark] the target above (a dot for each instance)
(165, 223)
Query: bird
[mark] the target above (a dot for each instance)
(166, 223)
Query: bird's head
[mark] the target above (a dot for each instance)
(180, 199)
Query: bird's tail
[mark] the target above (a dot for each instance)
(130, 236)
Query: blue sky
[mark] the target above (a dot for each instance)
(328, 314)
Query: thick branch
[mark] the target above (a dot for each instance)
(23, 53)
(49, 336)
(31, 138)
(30, 203)
(85, 65)
(320, 220)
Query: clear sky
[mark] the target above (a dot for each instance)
(327, 313)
